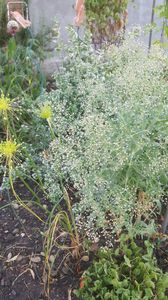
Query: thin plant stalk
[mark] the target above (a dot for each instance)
(28, 187)
(16, 195)
(51, 129)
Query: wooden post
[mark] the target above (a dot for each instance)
(152, 20)
(80, 7)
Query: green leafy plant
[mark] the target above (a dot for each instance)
(129, 272)
(17, 72)
(106, 19)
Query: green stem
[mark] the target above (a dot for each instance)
(16, 195)
(6, 205)
(13, 81)
(52, 131)
(28, 187)
(66, 197)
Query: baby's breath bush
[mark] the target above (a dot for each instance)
(110, 121)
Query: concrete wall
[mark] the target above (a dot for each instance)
(141, 15)
(43, 12)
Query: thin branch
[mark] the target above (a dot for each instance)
(163, 28)
(152, 20)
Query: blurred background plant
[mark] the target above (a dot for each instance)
(106, 20)
(162, 12)
(3, 23)
(17, 72)
(20, 80)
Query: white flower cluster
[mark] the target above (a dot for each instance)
(110, 120)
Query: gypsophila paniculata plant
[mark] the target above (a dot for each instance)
(110, 122)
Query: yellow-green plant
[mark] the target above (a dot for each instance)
(5, 107)
(4, 103)
(8, 150)
(46, 113)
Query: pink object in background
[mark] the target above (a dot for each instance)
(12, 27)
(80, 8)
(19, 18)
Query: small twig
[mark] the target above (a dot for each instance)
(165, 222)
(30, 270)
(162, 32)
(69, 293)
(22, 247)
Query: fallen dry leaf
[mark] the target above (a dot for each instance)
(32, 273)
(13, 258)
(82, 280)
(9, 255)
(52, 258)
(85, 258)
(36, 259)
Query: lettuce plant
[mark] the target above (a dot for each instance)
(129, 272)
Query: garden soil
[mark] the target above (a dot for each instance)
(22, 259)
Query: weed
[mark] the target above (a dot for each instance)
(129, 272)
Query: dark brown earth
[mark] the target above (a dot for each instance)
(22, 253)
(22, 257)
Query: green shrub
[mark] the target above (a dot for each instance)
(110, 122)
(129, 272)
(106, 19)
